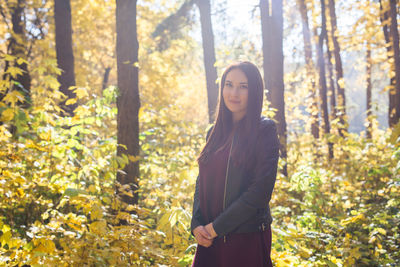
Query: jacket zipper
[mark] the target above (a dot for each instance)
(226, 177)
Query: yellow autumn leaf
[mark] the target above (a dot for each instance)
(92, 188)
(51, 82)
(31, 144)
(353, 219)
(127, 193)
(40, 70)
(5, 237)
(98, 227)
(70, 101)
(8, 57)
(45, 135)
(381, 231)
(133, 158)
(13, 97)
(81, 92)
(14, 71)
(44, 246)
(21, 61)
(130, 208)
(106, 200)
(7, 114)
(305, 252)
(123, 216)
(96, 213)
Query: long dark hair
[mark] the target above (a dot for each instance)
(246, 130)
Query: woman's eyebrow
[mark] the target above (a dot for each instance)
(242, 83)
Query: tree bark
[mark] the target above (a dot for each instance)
(331, 87)
(395, 39)
(105, 78)
(65, 55)
(384, 17)
(17, 47)
(310, 68)
(368, 71)
(128, 102)
(341, 105)
(209, 56)
(272, 36)
(322, 77)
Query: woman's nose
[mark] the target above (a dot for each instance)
(236, 90)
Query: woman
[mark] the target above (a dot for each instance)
(237, 171)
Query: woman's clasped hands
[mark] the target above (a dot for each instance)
(204, 235)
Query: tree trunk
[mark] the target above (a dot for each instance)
(209, 56)
(128, 102)
(341, 105)
(65, 55)
(310, 68)
(368, 71)
(395, 39)
(17, 47)
(272, 36)
(105, 78)
(322, 77)
(384, 17)
(331, 88)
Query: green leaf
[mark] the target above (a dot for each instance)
(73, 192)
(330, 264)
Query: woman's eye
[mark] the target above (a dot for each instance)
(228, 85)
(243, 87)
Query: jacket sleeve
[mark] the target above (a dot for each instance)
(260, 190)
(197, 218)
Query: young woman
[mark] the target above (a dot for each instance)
(237, 171)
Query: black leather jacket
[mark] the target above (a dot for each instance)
(247, 193)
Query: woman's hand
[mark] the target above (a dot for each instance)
(210, 229)
(202, 236)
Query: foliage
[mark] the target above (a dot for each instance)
(344, 212)
(54, 208)
(58, 204)
(57, 197)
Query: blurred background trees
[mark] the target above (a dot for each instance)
(90, 89)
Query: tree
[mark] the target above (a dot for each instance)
(341, 105)
(331, 88)
(65, 55)
(310, 67)
(105, 78)
(396, 54)
(128, 102)
(384, 17)
(368, 71)
(16, 68)
(322, 77)
(209, 56)
(272, 26)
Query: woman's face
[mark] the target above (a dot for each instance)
(235, 93)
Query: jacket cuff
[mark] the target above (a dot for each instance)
(218, 229)
(195, 223)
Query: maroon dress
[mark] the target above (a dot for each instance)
(238, 249)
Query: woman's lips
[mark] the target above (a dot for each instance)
(234, 102)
